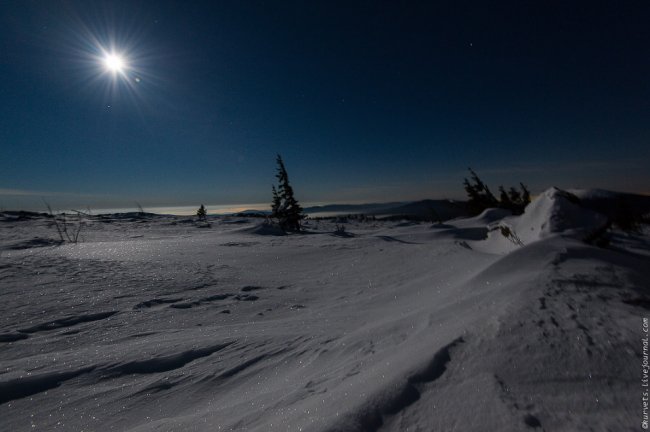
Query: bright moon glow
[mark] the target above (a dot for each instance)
(114, 63)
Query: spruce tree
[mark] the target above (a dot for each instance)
(201, 213)
(515, 196)
(505, 200)
(472, 193)
(285, 207)
(275, 205)
(480, 196)
(525, 194)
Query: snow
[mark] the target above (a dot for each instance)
(156, 325)
(554, 212)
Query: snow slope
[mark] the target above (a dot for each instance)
(157, 325)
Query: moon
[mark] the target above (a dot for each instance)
(114, 63)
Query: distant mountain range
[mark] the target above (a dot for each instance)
(353, 208)
(425, 209)
(428, 209)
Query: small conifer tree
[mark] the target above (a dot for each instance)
(515, 196)
(285, 207)
(275, 205)
(201, 213)
(504, 198)
(525, 195)
(480, 196)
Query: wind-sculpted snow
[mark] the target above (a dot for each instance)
(12, 336)
(33, 384)
(246, 364)
(156, 302)
(67, 322)
(162, 363)
(213, 298)
(371, 417)
(152, 324)
(248, 288)
(553, 212)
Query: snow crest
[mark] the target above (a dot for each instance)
(552, 213)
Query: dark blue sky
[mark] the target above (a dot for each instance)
(366, 101)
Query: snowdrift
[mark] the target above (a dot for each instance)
(486, 217)
(554, 212)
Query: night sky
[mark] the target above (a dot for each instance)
(366, 101)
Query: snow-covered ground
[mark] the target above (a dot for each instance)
(155, 324)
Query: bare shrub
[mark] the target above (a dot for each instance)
(67, 227)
